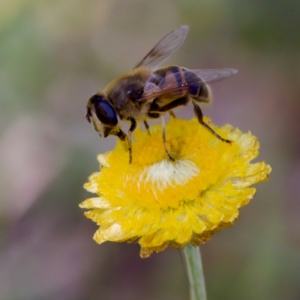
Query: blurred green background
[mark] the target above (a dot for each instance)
(54, 55)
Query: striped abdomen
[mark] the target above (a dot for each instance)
(174, 77)
(198, 90)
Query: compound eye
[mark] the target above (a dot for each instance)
(104, 111)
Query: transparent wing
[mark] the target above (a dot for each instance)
(175, 83)
(213, 75)
(165, 48)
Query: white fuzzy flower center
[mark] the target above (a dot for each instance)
(166, 173)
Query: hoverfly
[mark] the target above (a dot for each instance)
(148, 92)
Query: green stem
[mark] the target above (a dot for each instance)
(195, 272)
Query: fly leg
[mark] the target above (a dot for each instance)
(121, 135)
(131, 129)
(164, 138)
(168, 107)
(157, 111)
(147, 127)
(199, 115)
(172, 114)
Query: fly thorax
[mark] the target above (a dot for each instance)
(125, 97)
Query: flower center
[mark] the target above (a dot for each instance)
(167, 173)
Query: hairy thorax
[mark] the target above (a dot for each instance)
(125, 92)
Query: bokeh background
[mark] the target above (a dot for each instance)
(53, 56)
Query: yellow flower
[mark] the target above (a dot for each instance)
(157, 202)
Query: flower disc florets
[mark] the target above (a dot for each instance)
(157, 202)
